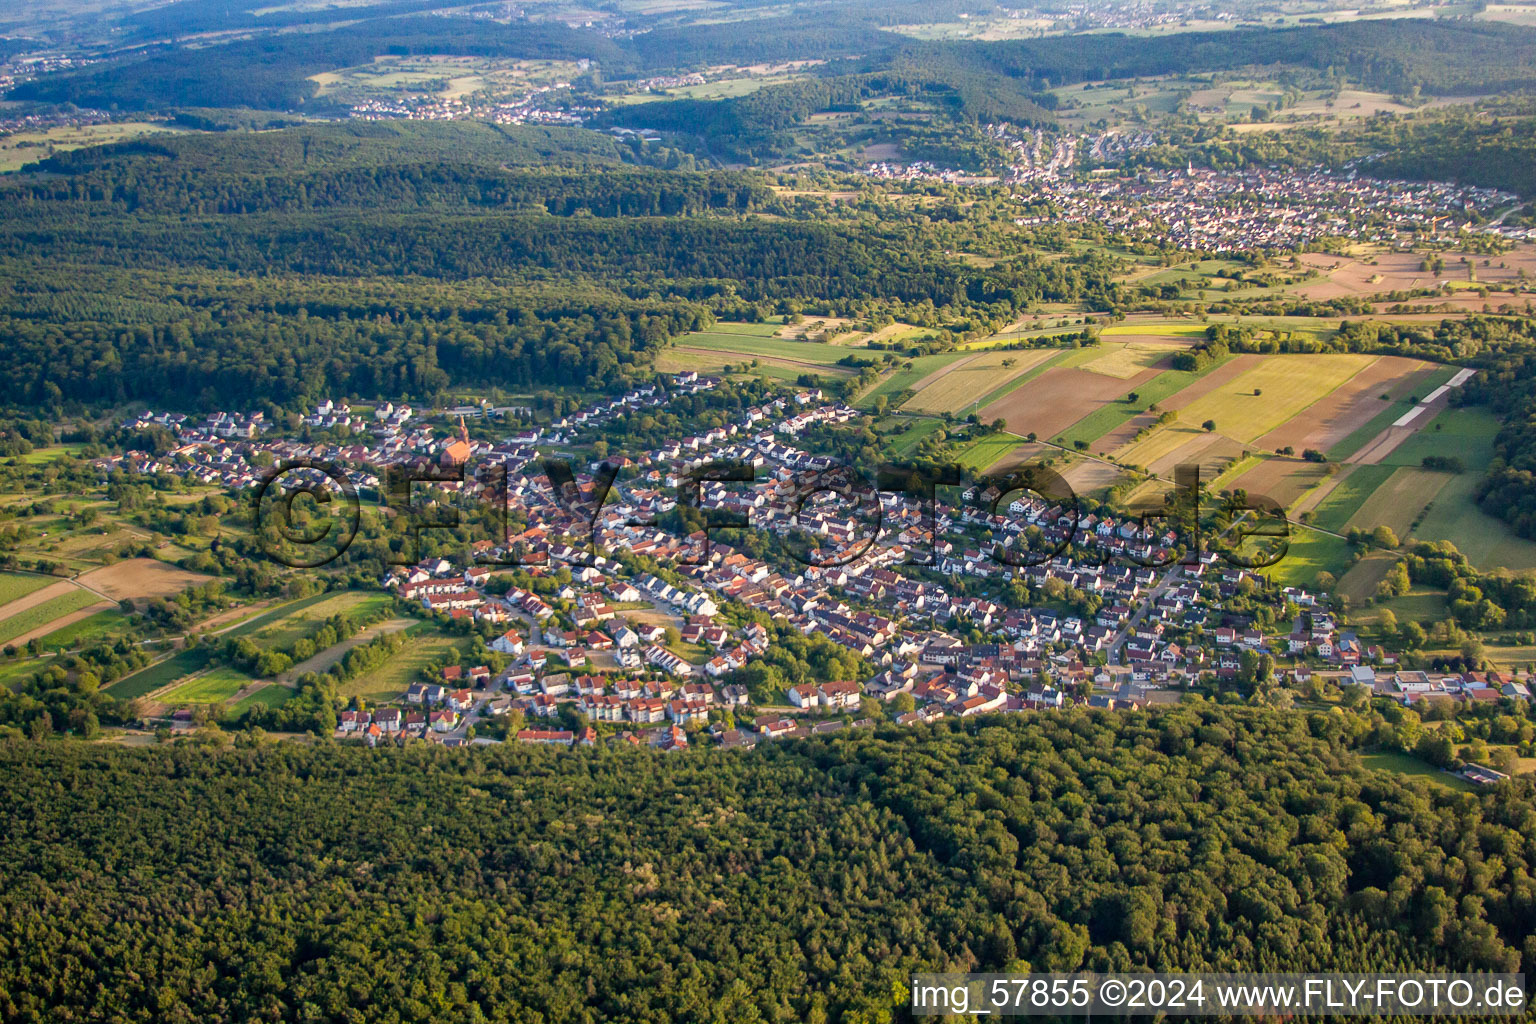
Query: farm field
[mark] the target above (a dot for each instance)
(1389, 413)
(1174, 445)
(141, 578)
(1356, 403)
(298, 620)
(1453, 514)
(901, 444)
(28, 147)
(1360, 582)
(1280, 479)
(1266, 396)
(215, 686)
(677, 360)
(272, 695)
(988, 451)
(1397, 502)
(960, 385)
(1058, 398)
(86, 630)
(163, 673)
(1355, 485)
(323, 660)
(14, 585)
(754, 345)
(905, 378)
(21, 624)
(390, 680)
(1310, 552)
(1104, 424)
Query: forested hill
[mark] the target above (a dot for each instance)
(270, 250)
(1438, 56)
(273, 72)
(800, 882)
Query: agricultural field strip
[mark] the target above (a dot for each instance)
(1111, 415)
(1298, 382)
(38, 616)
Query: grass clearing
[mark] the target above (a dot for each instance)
(87, 630)
(902, 444)
(1403, 764)
(274, 695)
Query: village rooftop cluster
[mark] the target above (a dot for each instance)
(1109, 635)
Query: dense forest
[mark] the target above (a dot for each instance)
(395, 261)
(801, 882)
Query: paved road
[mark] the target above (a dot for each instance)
(1126, 631)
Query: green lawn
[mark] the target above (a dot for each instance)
(1402, 764)
(215, 686)
(269, 696)
(37, 616)
(989, 450)
(15, 584)
(1420, 604)
(1310, 553)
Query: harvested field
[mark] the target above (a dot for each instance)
(1058, 398)
(1173, 446)
(141, 578)
(1140, 352)
(1353, 405)
(953, 387)
(1398, 502)
(1089, 475)
(1282, 480)
(1280, 387)
(1222, 375)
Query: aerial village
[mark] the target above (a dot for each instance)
(609, 650)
